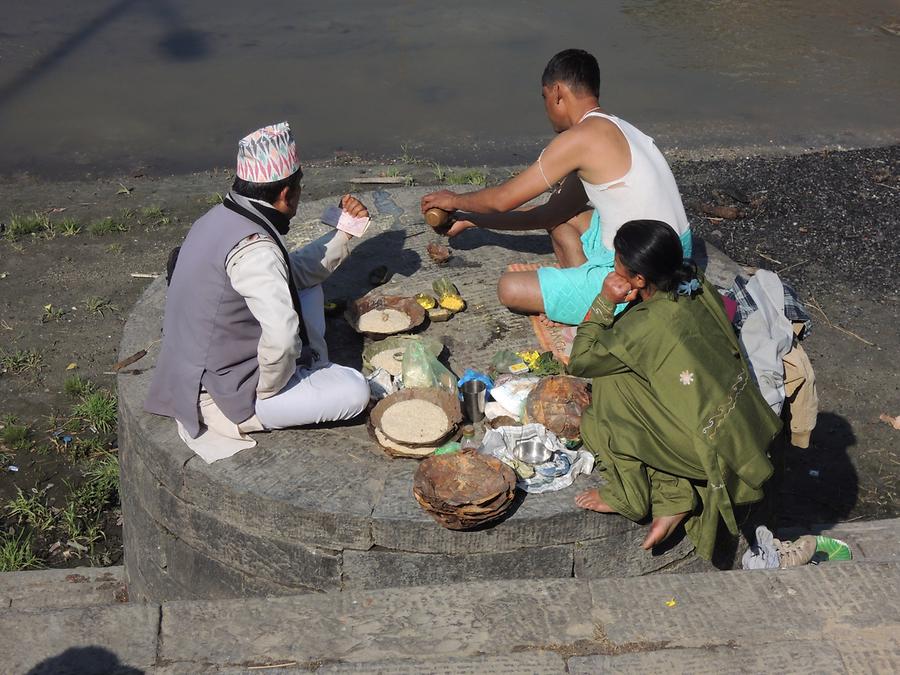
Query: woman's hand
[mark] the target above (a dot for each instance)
(354, 207)
(616, 289)
(442, 199)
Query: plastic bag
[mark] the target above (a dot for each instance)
(504, 360)
(421, 369)
(513, 394)
(557, 473)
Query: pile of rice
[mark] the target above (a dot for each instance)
(415, 421)
(383, 321)
(390, 360)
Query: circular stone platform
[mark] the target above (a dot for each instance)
(319, 509)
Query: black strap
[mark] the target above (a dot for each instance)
(295, 298)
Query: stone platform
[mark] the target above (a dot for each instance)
(320, 509)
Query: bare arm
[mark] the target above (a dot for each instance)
(564, 204)
(560, 158)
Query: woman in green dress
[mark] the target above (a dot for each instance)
(677, 424)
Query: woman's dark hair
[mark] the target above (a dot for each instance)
(577, 68)
(652, 249)
(267, 192)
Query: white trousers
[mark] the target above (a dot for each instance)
(325, 392)
(312, 304)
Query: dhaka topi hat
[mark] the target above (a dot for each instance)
(268, 154)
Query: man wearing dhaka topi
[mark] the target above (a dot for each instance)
(236, 307)
(610, 173)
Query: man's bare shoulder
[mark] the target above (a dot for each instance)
(604, 150)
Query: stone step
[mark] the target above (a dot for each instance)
(58, 589)
(831, 618)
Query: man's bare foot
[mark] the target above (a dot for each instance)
(548, 323)
(591, 500)
(661, 529)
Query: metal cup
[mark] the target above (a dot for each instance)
(474, 392)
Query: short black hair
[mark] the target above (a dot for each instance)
(653, 249)
(575, 67)
(266, 192)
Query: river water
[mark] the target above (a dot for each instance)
(103, 86)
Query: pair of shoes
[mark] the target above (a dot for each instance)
(795, 553)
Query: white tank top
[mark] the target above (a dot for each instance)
(647, 191)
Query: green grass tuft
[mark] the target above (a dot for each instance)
(21, 361)
(69, 228)
(97, 305)
(20, 226)
(153, 217)
(31, 509)
(469, 177)
(77, 387)
(51, 313)
(16, 553)
(440, 172)
(108, 225)
(98, 410)
(81, 517)
(16, 436)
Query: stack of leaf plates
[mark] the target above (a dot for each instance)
(464, 489)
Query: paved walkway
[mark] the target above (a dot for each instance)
(831, 618)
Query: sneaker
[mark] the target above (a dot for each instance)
(795, 553)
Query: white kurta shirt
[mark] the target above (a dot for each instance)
(257, 271)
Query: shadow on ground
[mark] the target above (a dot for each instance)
(820, 484)
(83, 661)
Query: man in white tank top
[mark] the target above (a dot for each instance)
(603, 173)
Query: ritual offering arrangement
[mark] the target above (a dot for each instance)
(388, 354)
(464, 489)
(415, 422)
(448, 295)
(557, 402)
(381, 315)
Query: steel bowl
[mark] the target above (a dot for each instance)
(532, 451)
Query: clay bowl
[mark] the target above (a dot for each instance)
(370, 302)
(446, 401)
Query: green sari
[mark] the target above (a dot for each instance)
(676, 423)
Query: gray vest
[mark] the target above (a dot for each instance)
(210, 337)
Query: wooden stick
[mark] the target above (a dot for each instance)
(790, 267)
(815, 305)
(274, 665)
(381, 180)
(763, 255)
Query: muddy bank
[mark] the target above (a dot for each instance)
(827, 222)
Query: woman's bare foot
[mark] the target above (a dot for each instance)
(591, 500)
(661, 529)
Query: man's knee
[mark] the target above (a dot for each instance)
(506, 290)
(357, 391)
